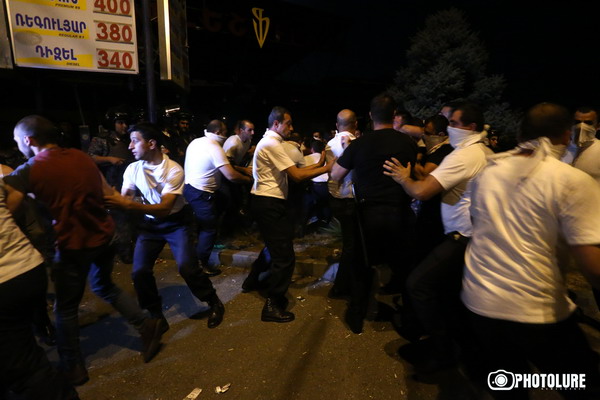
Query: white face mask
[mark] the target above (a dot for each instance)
(458, 135)
(582, 133)
(433, 140)
(213, 136)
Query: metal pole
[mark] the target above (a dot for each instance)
(150, 86)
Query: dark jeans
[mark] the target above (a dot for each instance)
(277, 230)
(205, 209)
(434, 285)
(153, 235)
(552, 348)
(70, 276)
(316, 202)
(344, 211)
(388, 232)
(24, 367)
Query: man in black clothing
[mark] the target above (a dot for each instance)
(384, 210)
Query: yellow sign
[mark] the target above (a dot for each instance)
(261, 26)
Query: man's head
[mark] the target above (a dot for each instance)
(34, 132)
(382, 109)
(317, 146)
(549, 120)
(401, 117)
(467, 116)
(585, 126)
(245, 130)
(295, 137)
(217, 127)
(118, 120)
(146, 139)
(436, 125)
(183, 126)
(586, 115)
(346, 121)
(280, 121)
(447, 109)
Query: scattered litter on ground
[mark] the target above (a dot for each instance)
(193, 394)
(222, 389)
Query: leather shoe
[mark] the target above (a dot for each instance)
(355, 320)
(76, 375)
(272, 312)
(217, 310)
(151, 333)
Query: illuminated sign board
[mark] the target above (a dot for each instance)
(172, 42)
(81, 35)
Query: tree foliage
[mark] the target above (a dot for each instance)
(447, 61)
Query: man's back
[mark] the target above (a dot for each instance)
(366, 155)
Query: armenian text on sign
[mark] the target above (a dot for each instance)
(83, 35)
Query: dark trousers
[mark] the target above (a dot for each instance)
(24, 367)
(434, 285)
(552, 348)
(71, 272)
(152, 237)
(206, 213)
(344, 211)
(388, 232)
(277, 230)
(316, 202)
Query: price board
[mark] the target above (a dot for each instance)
(83, 35)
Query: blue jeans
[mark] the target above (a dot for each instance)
(152, 237)
(70, 275)
(206, 212)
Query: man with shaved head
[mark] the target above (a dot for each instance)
(342, 202)
(522, 202)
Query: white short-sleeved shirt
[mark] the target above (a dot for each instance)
(292, 149)
(588, 160)
(154, 181)
(235, 149)
(268, 167)
(454, 174)
(342, 190)
(312, 159)
(511, 270)
(17, 254)
(203, 158)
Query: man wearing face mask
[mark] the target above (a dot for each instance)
(584, 150)
(434, 284)
(205, 162)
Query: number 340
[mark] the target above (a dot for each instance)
(108, 59)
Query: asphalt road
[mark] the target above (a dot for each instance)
(313, 357)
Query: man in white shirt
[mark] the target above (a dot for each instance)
(160, 182)
(434, 284)
(205, 162)
(236, 146)
(342, 202)
(271, 167)
(516, 292)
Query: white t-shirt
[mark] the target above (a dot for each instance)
(235, 149)
(454, 173)
(154, 181)
(292, 149)
(588, 160)
(511, 270)
(342, 190)
(268, 167)
(17, 254)
(314, 158)
(203, 158)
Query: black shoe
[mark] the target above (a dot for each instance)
(355, 320)
(217, 310)
(159, 315)
(151, 333)
(272, 312)
(212, 271)
(76, 375)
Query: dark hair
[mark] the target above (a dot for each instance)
(471, 114)
(214, 126)
(382, 109)
(586, 109)
(243, 123)
(277, 114)
(545, 119)
(149, 131)
(42, 129)
(439, 122)
(317, 146)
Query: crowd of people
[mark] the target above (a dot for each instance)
(471, 234)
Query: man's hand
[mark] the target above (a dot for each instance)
(115, 200)
(394, 169)
(115, 160)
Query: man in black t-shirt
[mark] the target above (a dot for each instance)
(384, 212)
